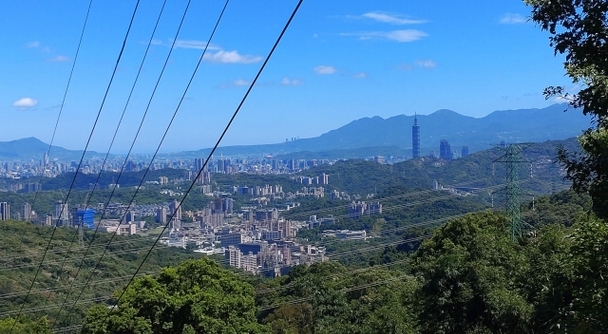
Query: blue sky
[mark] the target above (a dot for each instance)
(339, 61)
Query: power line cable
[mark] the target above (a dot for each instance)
(65, 94)
(217, 143)
(90, 194)
(355, 288)
(135, 139)
(83, 154)
(171, 121)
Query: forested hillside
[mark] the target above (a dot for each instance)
(544, 282)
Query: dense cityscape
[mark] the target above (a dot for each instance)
(292, 167)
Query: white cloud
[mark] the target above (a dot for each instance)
(511, 18)
(37, 45)
(33, 45)
(361, 75)
(195, 44)
(220, 56)
(59, 59)
(322, 69)
(231, 57)
(427, 63)
(405, 67)
(241, 82)
(235, 83)
(392, 19)
(25, 103)
(401, 36)
(408, 35)
(291, 82)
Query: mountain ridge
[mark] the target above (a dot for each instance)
(518, 125)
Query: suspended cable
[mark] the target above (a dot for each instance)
(215, 146)
(90, 194)
(170, 123)
(65, 94)
(82, 157)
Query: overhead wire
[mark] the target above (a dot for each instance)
(83, 154)
(338, 255)
(238, 108)
(65, 94)
(160, 76)
(355, 288)
(90, 193)
(171, 121)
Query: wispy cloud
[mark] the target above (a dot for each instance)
(291, 82)
(59, 59)
(33, 45)
(405, 67)
(390, 18)
(231, 57)
(235, 83)
(426, 63)
(241, 82)
(195, 44)
(25, 103)
(511, 18)
(37, 45)
(323, 69)
(218, 56)
(421, 63)
(361, 75)
(401, 36)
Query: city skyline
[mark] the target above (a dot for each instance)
(335, 64)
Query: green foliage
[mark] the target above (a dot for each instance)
(332, 299)
(469, 272)
(22, 246)
(578, 30)
(563, 208)
(25, 326)
(197, 296)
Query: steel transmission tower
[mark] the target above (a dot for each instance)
(512, 158)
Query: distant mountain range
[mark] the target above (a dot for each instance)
(363, 137)
(377, 136)
(33, 148)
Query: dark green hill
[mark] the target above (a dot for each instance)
(474, 171)
(22, 246)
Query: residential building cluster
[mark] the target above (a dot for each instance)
(360, 208)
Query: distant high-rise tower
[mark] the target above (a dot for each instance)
(465, 151)
(5, 211)
(26, 211)
(415, 138)
(61, 210)
(445, 150)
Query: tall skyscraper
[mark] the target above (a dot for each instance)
(176, 210)
(26, 211)
(464, 152)
(415, 138)
(61, 210)
(5, 211)
(445, 150)
(198, 164)
(161, 215)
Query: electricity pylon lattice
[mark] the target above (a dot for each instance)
(512, 158)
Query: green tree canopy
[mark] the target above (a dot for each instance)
(469, 271)
(195, 297)
(579, 30)
(25, 326)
